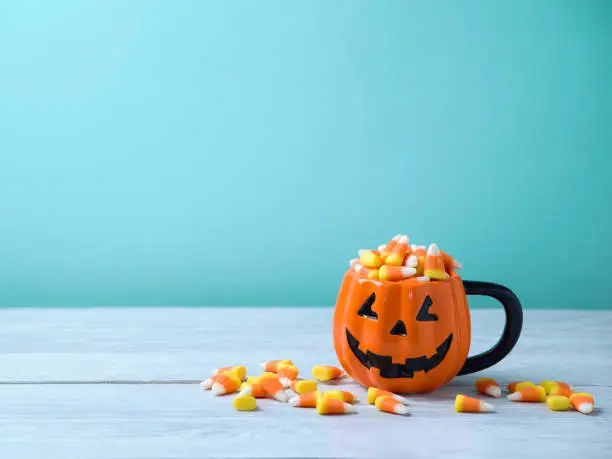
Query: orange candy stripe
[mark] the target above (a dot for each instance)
(273, 388)
(308, 400)
(395, 273)
(390, 405)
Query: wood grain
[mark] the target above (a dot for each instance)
(100, 383)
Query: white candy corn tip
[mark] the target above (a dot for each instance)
(486, 407)
(248, 390)
(494, 391)
(207, 384)
(408, 271)
(353, 262)
(381, 247)
(514, 396)
(358, 267)
(218, 389)
(433, 250)
(585, 408)
(286, 382)
(403, 238)
(281, 396)
(400, 409)
(348, 408)
(263, 365)
(412, 261)
(294, 401)
(423, 279)
(400, 399)
(457, 265)
(397, 237)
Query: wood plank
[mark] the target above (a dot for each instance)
(184, 344)
(181, 421)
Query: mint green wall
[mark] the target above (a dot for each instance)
(221, 153)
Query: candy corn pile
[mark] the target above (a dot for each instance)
(279, 376)
(397, 260)
(559, 396)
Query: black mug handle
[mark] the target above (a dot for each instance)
(512, 328)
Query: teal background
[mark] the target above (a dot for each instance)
(239, 153)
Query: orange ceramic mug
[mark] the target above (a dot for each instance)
(412, 336)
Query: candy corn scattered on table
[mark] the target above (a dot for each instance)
(99, 383)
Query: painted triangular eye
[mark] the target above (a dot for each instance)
(398, 329)
(424, 314)
(366, 309)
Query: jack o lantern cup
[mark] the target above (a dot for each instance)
(412, 336)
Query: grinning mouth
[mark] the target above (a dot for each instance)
(388, 369)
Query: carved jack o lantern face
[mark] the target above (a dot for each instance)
(401, 336)
(384, 363)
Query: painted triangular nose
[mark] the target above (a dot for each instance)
(399, 329)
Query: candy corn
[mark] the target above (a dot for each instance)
(273, 388)
(383, 263)
(558, 402)
(286, 374)
(370, 258)
(582, 402)
(308, 400)
(327, 405)
(449, 262)
(465, 404)
(326, 372)
(252, 379)
(303, 386)
(395, 273)
(411, 261)
(547, 385)
(245, 403)
(488, 386)
(225, 383)
(434, 265)
(239, 371)
(370, 273)
(255, 389)
(561, 389)
(375, 392)
(535, 394)
(396, 257)
(272, 365)
(390, 405)
(514, 386)
(390, 246)
(341, 395)
(208, 383)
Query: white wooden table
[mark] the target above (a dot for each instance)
(122, 383)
